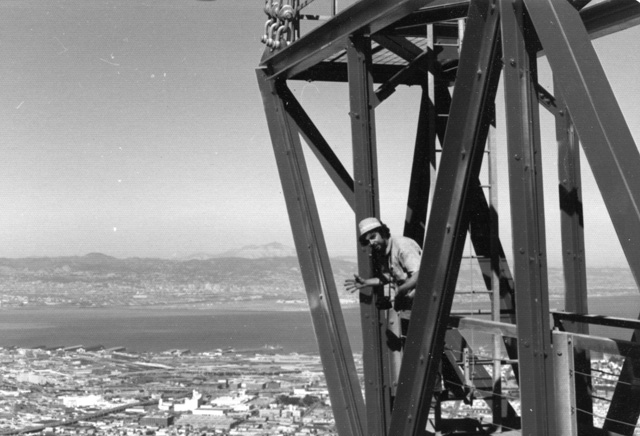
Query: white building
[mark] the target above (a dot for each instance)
(81, 401)
(190, 404)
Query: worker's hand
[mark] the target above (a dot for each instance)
(352, 285)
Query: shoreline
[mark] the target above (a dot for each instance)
(224, 307)
(254, 306)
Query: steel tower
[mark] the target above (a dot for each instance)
(457, 52)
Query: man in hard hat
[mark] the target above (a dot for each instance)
(396, 261)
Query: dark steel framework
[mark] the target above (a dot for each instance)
(502, 38)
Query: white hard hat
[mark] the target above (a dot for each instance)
(368, 224)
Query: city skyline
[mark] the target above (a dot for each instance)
(137, 129)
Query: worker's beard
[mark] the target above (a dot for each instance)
(377, 248)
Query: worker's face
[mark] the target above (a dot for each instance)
(376, 241)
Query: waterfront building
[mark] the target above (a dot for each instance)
(190, 404)
(81, 401)
(157, 420)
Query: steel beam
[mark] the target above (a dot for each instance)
(337, 72)
(331, 37)
(601, 19)
(573, 258)
(328, 159)
(466, 134)
(527, 216)
(617, 347)
(491, 256)
(610, 151)
(610, 16)
(604, 134)
(496, 272)
(424, 163)
(402, 47)
(480, 220)
(418, 19)
(565, 373)
(376, 360)
(331, 333)
(389, 87)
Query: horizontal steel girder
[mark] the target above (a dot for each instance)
(330, 38)
(373, 16)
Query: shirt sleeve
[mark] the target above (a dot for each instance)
(410, 254)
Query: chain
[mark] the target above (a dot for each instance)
(279, 28)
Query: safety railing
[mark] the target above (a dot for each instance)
(495, 401)
(603, 379)
(600, 377)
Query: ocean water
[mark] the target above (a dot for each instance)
(158, 330)
(155, 330)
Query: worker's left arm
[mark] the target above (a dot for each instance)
(411, 258)
(408, 287)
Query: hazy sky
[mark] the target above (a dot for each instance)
(136, 128)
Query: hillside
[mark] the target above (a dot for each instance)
(99, 280)
(258, 274)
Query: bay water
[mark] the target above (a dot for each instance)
(157, 330)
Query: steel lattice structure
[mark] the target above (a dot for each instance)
(502, 39)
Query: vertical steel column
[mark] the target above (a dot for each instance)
(365, 175)
(604, 134)
(571, 218)
(424, 162)
(462, 156)
(610, 150)
(423, 169)
(481, 219)
(527, 215)
(563, 365)
(573, 260)
(495, 278)
(329, 326)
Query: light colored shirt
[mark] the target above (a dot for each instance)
(403, 258)
(401, 261)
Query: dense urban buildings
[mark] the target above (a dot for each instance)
(76, 391)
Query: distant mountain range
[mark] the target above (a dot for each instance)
(274, 249)
(263, 274)
(234, 266)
